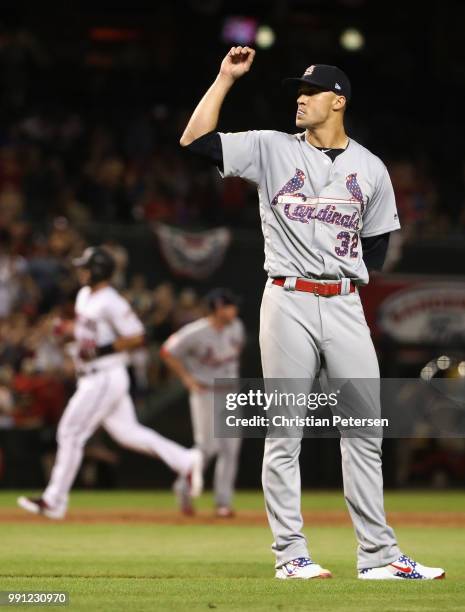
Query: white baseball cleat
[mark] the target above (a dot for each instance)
(403, 568)
(39, 506)
(195, 475)
(302, 568)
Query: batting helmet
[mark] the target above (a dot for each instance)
(221, 297)
(100, 263)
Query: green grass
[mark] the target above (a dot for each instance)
(417, 501)
(142, 567)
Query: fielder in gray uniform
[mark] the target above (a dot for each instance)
(326, 205)
(198, 353)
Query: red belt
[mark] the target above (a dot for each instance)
(325, 290)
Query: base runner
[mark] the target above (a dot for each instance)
(105, 329)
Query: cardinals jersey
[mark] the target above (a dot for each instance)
(313, 210)
(206, 352)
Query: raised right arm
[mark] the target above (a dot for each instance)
(205, 117)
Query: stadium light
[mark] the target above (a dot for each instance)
(352, 39)
(265, 37)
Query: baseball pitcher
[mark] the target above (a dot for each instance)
(198, 353)
(105, 329)
(327, 208)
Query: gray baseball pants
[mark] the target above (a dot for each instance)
(297, 330)
(226, 450)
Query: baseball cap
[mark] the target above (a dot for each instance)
(221, 297)
(326, 78)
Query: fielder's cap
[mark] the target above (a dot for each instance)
(221, 297)
(326, 78)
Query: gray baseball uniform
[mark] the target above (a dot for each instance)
(313, 213)
(209, 353)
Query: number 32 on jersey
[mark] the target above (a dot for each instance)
(347, 245)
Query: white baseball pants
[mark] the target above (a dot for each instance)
(102, 399)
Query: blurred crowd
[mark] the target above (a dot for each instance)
(121, 171)
(128, 173)
(97, 142)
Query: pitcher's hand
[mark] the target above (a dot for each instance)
(237, 62)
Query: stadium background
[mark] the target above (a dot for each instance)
(93, 102)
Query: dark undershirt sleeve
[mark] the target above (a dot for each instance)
(208, 147)
(374, 251)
